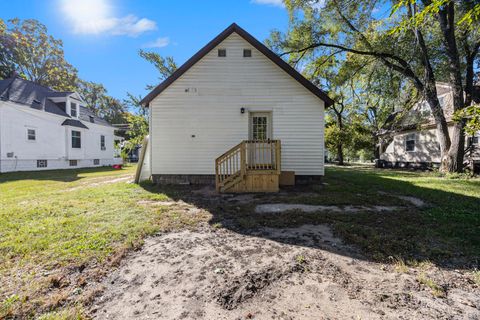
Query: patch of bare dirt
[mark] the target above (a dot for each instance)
(284, 207)
(103, 181)
(288, 273)
(417, 202)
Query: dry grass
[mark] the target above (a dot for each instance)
(60, 232)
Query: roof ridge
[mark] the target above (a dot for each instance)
(17, 77)
(255, 43)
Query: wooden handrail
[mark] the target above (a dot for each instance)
(229, 151)
(246, 156)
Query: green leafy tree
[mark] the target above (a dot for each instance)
(165, 66)
(133, 102)
(419, 41)
(471, 116)
(28, 49)
(100, 103)
(7, 65)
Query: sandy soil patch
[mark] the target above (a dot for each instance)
(103, 181)
(283, 207)
(417, 202)
(289, 273)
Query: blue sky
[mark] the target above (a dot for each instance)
(102, 37)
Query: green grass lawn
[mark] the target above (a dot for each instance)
(54, 223)
(446, 231)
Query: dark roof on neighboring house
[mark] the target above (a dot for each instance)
(30, 94)
(415, 118)
(74, 123)
(255, 43)
(36, 96)
(88, 116)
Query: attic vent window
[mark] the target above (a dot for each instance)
(247, 53)
(222, 52)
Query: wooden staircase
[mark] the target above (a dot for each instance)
(250, 166)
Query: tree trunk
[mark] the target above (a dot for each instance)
(456, 152)
(376, 149)
(340, 154)
(340, 143)
(338, 114)
(443, 135)
(454, 158)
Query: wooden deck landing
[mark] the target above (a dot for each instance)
(250, 166)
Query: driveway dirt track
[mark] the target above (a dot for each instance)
(285, 273)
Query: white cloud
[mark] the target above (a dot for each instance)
(316, 4)
(158, 43)
(277, 3)
(97, 17)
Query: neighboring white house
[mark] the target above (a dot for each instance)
(42, 129)
(234, 89)
(410, 139)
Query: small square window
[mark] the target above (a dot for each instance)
(42, 163)
(96, 162)
(247, 53)
(31, 135)
(73, 163)
(222, 52)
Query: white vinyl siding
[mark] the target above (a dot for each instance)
(426, 147)
(52, 141)
(198, 117)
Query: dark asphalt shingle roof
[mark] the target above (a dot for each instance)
(85, 115)
(74, 123)
(35, 96)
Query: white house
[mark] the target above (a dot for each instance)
(233, 92)
(42, 129)
(409, 138)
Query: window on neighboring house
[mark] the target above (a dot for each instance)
(42, 163)
(102, 143)
(31, 135)
(247, 53)
(410, 142)
(96, 162)
(474, 140)
(73, 163)
(73, 110)
(441, 101)
(222, 52)
(76, 139)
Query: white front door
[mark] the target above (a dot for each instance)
(260, 127)
(260, 131)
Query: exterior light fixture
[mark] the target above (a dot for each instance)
(242, 110)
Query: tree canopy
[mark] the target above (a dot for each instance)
(27, 49)
(416, 44)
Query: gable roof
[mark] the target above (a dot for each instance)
(257, 45)
(406, 120)
(74, 123)
(39, 97)
(31, 94)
